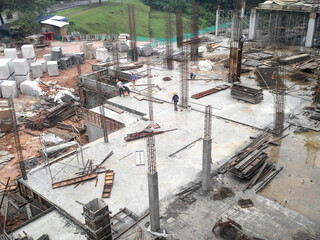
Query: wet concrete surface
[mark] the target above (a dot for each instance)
(297, 186)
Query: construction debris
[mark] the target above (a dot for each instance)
(229, 230)
(248, 94)
(210, 91)
(252, 163)
(5, 157)
(294, 59)
(245, 203)
(74, 180)
(52, 116)
(222, 193)
(144, 133)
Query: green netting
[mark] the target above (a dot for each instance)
(161, 41)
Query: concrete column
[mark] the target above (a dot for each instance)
(236, 21)
(253, 24)
(218, 19)
(311, 29)
(243, 7)
(206, 164)
(153, 190)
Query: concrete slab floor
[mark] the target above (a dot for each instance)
(265, 220)
(60, 228)
(130, 186)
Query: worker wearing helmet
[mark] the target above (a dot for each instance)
(175, 100)
(119, 86)
(192, 75)
(133, 79)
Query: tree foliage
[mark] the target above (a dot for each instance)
(27, 10)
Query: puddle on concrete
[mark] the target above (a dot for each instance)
(297, 186)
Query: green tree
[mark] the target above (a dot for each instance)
(27, 10)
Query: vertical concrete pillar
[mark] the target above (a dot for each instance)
(153, 190)
(236, 21)
(311, 29)
(218, 19)
(206, 164)
(243, 7)
(253, 24)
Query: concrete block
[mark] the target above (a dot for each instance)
(36, 69)
(43, 65)
(4, 70)
(10, 62)
(31, 88)
(56, 53)
(9, 89)
(53, 69)
(20, 78)
(101, 54)
(21, 66)
(47, 57)
(11, 53)
(28, 51)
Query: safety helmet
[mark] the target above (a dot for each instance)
(174, 93)
(131, 72)
(117, 80)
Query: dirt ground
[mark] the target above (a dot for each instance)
(31, 144)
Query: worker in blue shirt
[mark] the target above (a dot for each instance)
(175, 100)
(133, 79)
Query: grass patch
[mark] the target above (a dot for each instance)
(100, 18)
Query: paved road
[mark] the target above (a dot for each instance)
(62, 6)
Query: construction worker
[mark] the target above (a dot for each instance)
(175, 100)
(192, 75)
(242, 40)
(133, 79)
(119, 86)
(126, 90)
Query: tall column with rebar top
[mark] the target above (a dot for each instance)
(153, 187)
(279, 102)
(218, 17)
(235, 46)
(168, 27)
(179, 27)
(133, 33)
(149, 91)
(17, 139)
(184, 83)
(206, 155)
(194, 31)
(253, 20)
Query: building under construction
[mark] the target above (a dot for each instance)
(237, 160)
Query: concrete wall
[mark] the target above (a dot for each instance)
(93, 132)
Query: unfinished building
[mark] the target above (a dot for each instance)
(202, 172)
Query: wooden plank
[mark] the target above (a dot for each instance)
(113, 108)
(74, 180)
(139, 97)
(108, 184)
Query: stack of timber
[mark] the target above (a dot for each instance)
(252, 163)
(52, 116)
(248, 94)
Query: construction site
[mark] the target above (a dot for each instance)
(94, 144)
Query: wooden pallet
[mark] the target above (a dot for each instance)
(108, 184)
